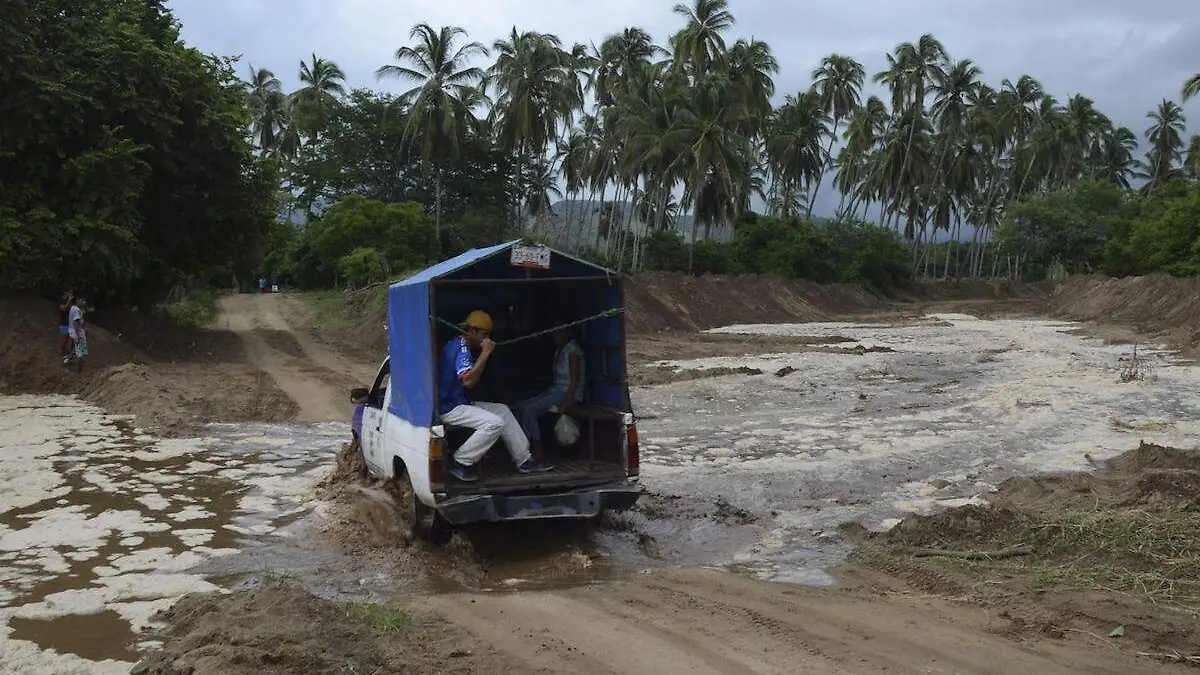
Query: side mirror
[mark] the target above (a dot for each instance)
(359, 395)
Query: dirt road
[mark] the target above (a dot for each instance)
(314, 376)
(709, 622)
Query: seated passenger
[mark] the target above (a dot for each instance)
(460, 370)
(565, 390)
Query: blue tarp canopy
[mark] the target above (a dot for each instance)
(415, 303)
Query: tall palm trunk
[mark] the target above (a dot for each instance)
(600, 214)
(1028, 170)
(628, 229)
(566, 230)
(437, 213)
(613, 219)
(955, 230)
(812, 199)
(695, 227)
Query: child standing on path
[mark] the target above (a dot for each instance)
(77, 333)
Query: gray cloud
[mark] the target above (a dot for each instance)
(1127, 56)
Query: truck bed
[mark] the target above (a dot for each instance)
(567, 473)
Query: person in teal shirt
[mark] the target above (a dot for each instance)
(565, 390)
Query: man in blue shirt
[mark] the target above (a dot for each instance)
(458, 371)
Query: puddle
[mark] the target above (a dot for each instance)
(89, 636)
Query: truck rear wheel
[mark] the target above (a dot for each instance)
(422, 521)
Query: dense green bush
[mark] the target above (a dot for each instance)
(360, 267)
(1095, 226)
(332, 249)
(831, 252)
(196, 310)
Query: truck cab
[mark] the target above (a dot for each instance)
(529, 291)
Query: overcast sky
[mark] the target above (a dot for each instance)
(1127, 55)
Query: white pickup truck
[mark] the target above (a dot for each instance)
(395, 422)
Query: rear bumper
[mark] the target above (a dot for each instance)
(581, 503)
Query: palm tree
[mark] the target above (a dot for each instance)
(700, 46)
(574, 155)
(713, 152)
(537, 89)
(540, 184)
(441, 99)
(1116, 162)
(321, 91)
(268, 108)
(867, 126)
(1166, 142)
(618, 58)
(1191, 87)
(837, 82)
(910, 72)
(751, 66)
(793, 146)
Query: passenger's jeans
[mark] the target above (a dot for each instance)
(490, 422)
(531, 409)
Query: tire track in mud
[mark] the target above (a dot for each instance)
(714, 623)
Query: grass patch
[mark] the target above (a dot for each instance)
(328, 306)
(1152, 556)
(380, 618)
(198, 310)
(337, 310)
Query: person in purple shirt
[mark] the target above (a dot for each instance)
(459, 370)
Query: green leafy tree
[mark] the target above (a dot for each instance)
(130, 189)
(1067, 227)
(1165, 236)
(399, 234)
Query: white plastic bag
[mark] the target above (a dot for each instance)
(566, 431)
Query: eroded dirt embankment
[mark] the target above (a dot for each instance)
(658, 301)
(1157, 306)
(170, 378)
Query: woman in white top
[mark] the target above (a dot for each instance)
(76, 331)
(566, 389)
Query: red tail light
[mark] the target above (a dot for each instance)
(631, 452)
(437, 467)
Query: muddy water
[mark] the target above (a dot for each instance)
(101, 525)
(959, 405)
